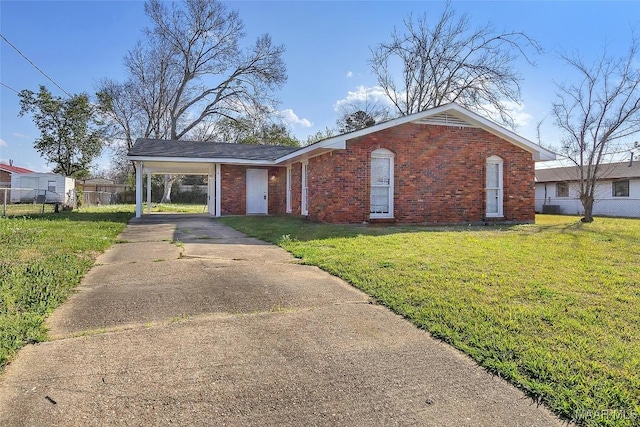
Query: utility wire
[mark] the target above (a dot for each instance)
(34, 65)
(9, 87)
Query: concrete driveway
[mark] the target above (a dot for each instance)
(221, 329)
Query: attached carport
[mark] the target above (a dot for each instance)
(170, 157)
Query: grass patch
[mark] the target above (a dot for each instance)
(177, 208)
(554, 307)
(42, 259)
(25, 209)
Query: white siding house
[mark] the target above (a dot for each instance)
(617, 191)
(41, 187)
(6, 172)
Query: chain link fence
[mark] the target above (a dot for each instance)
(29, 201)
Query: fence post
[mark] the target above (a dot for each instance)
(4, 204)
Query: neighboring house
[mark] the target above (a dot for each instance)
(444, 165)
(6, 172)
(41, 187)
(617, 192)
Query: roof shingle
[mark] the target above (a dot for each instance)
(607, 171)
(215, 150)
(14, 169)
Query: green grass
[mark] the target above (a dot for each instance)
(30, 209)
(42, 259)
(553, 307)
(177, 207)
(25, 209)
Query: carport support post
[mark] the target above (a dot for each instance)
(148, 192)
(138, 189)
(218, 187)
(211, 190)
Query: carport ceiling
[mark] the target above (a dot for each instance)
(177, 168)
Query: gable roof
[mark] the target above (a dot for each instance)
(184, 157)
(14, 169)
(445, 115)
(607, 171)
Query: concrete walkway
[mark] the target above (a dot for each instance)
(221, 329)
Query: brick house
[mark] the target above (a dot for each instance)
(444, 165)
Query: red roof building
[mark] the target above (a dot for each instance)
(13, 169)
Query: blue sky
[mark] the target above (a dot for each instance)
(78, 43)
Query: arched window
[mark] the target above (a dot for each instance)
(381, 193)
(494, 187)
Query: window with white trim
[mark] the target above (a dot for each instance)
(494, 188)
(51, 186)
(381, 191)
(620, 188)
(562, 189)
(304, 202)
(288, 189)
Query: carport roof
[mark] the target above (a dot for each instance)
(154, 148)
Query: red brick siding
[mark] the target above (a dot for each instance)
(339, 187)
(296, 188)
(439, 176)
(277, 190)
(234, 190)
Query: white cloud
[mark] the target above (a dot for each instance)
(520, 117)
(292, 118)
(19, 135)
(363, 94)
(2, 143)
(349, 74)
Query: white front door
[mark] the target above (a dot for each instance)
(257, 191)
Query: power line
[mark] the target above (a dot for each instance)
(9, 87)
(34, 65)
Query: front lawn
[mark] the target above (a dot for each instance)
(554, 307)
(42, 259)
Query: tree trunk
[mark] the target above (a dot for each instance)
(587, 204)
(168, 183)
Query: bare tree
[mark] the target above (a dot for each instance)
(450, 62)
(598, 114)
(320, 135)
(250, 130)
(192, 69)
(361, 114)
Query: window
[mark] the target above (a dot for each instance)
(621, 188)
(562, 189)
(51, 186)
(494, 187)
(289, 189)
(304, 202)
(381, 194)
